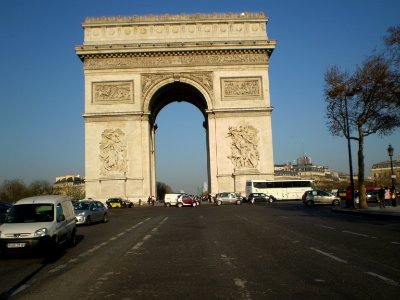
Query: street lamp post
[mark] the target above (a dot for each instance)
(347, 93)
(349, 202)
(390, 150)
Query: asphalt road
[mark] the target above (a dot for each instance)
(265, 251)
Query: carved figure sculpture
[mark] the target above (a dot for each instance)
(244, 146)
(113, 152)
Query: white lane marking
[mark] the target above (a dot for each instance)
(145, 238)
(120, 234)
(387, 280)
(326, 227)
(20, 289)
(137, 245)
(359, 234)
(396, 243)
(58, 268)
(329, 255)
(241, 284)
(227, 260)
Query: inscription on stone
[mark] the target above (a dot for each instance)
(248, 88)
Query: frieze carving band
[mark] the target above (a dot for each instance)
(247, 88)
(244, 146)
(112, 92)
(113, 152)
(202, 78)
(177, 59)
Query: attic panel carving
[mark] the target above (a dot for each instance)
(241, 88)
(112, 92)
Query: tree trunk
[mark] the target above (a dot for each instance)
(361, 167)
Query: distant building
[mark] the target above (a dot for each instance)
(381, 172)
(70, 185)
(303, 168)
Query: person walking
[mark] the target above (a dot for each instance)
(381, 197)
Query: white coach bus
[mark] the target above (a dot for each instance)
(280, 189)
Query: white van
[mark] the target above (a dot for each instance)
(38, 222)
(171, 199)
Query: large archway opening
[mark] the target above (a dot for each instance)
(179, 122)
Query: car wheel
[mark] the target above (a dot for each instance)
(309, 203)
(168, 204)
(336, 202)
(194, 204)
(105, 218)
(88, 221)
(219, 202)
(179, 204)
(238, 202)
(270, 199)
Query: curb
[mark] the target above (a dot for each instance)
(375, 214)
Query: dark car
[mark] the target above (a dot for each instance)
(371, 195)
(4, 208)
(258, 197)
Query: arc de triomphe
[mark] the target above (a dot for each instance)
(135, 66)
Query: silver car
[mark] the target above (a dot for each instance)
(228, 198)
(313, 197)
(90, 211)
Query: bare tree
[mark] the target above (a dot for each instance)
(370, 94)
(13, 190)
(40, 187)
(163, 189)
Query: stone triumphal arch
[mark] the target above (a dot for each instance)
(134, 66)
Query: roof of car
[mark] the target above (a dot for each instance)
(43, 199)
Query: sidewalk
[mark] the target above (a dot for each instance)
(389, 212)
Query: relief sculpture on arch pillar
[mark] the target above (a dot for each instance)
(113, 152)
(244, 146)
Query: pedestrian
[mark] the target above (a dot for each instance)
(381, 197)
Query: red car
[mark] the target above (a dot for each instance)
(186, 200)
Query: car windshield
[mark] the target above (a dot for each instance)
(31, 213)
(81, 206)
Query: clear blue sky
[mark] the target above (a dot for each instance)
(42, 92)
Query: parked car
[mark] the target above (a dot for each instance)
(371, 194)
(313, 197)
(258, 197)
(41, 222)
(4, 209)
(118, 203)
(90, 211)
(228, 198)
(186, 200)
(171, 199)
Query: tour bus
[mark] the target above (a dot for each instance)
(279, 189)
